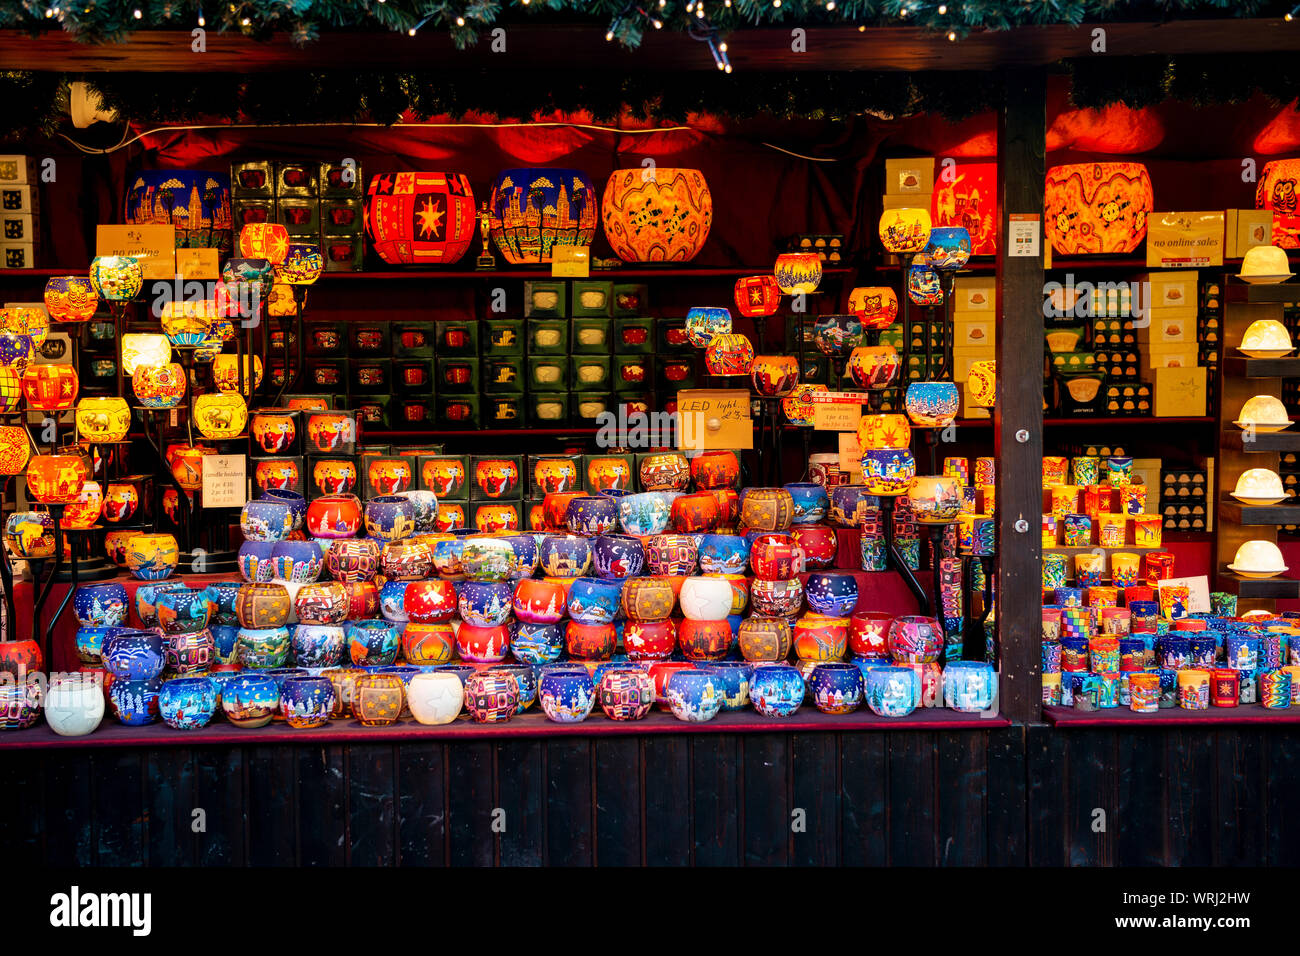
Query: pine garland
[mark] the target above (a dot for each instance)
(113, 21)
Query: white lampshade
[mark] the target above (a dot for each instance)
(1263, 413)
(1259, 486)
(1266, 338)
(1258, 558)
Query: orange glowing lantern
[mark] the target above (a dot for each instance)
(966, 196)
(660, 215)
(774, 376)
(1097, 207)
(905, 230)
(15, 448)
(757, 295)
(874, 366)
(876, 306)
(71, 298)
(84, 512)
(425, 218)
(264, 240)
(729, 354)
(56, 479)
(884, 431)
(31, 321)
(1277, 191)
(983, 383)
(186, 463)
(50, 388)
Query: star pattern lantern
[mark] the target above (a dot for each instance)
(948, 249)
(14, 450)
(657, 215)
(421, 218)
(757, 296)
(303, 264)
(116, 278)
(532, 211)
(905, 231)
(50, 388)
(729, 354)
(876, 306)
(71, 298)
(264, 240)
(144, 348)
(31, 321)
(798, 273)
(1277, 191)
(704, 322)
(886, 430)
(1096, 207)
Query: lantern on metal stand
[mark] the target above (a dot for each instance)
(301, 268)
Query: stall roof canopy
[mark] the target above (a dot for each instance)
(533, 45)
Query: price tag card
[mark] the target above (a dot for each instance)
(850, 452)
(198, 264)
(1025, 237)
(571, 262)
(225, 481)
(154, 246)
(710, 419)
(836, 418)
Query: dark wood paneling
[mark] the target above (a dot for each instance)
(1139, 815)
(272, 806)
(472, 799)
(519, 795)
(119, 807)
(963, 780)
(912, 833)
(1240, 777)
(715, 789)
(1006, 807)
(1045, 759)
(69, 807)
(864, 800)
(322, 806)
(219, 790)
(1190, 766)
(816, 771)
(1283, 768)
(372, 806)
(618, 801)
(1090, 799)
(169, 807)
(569, 800)
(422, 804)
(666, 820)
(766, 835)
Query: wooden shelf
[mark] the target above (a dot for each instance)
(638, 271)
(1243, 366)
(1127, 421)
(1285, 512)
(1285, 293)
(480, 432)
(1263, 441)
(1263, 588)
(1257, 715)
(1130, 548)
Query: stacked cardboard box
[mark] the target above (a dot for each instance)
(318, 202)
(1184, 499)
(20, 209)
(974, 332)
(1167, 337)
(909, 183)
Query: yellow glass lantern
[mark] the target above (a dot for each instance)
(1264, 413)
(56, 479)
(280, 300)
(144, 348)
(876, 306)
(15, 448)
(103, 419)
(1096, 207)
(729, 354)
(302, 265)
(71, 298)
(264, 240)
(983, 383)
(225, 372)
(116, 278)
(885, 430)
(798, 273)
(152, 557)
(906, 230)
(11, 389)
(799, 407)
(220, 415)
(188, 323)
(159, 386)
(84, 512)
(26, 320)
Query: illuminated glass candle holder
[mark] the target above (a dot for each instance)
(1148, 531)
(105, 419)
(1065, 500)
(875, 306)
(1194, 689)
(302, 264)
(116, 278)
(1144, 693)
(1123, 569)
(1103, 654)
(988, 497)
(1088, 569)
(1053, 571)
(1119, 470)
(56, 479)
(957, 468)
(1110, 529)
(71, 298)
(1085, 470)
(50, 387)
(1078, 530)
(1054, 467)
(15, 450)
(906, 230)
(758, 296)
(1133, 499)
(704, 322)
(986, 470)
(1050, 535)
(1051, 630)
(144, 349)
(264, 240)
(798, 273)
(1173, 601)
(1102, 596)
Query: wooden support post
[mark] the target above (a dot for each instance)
(1018, 415)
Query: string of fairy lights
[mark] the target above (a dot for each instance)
(706, 21)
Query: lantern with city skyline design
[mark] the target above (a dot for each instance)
(424, 218)
(194, 201)
(532, 211)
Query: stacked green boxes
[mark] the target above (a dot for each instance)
(319, 202)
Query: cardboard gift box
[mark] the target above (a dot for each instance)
(548, 336)
(589, 373)
(17, 170)
(1179, 392)
(252, 180)
(456, 338)
(545, 300)
(504, 337)
(297, 180)
(300, 217)
(913, 177)
(591, 337)
(978, 294)
(503, 376)
(341, 181)
(547, 374)
(634, 335)
(1168, 324)
(588, 407)
(592, 299)
(344, 253)
(458, 376)
(369, 340)
(458, 411)
(631, 299)
(547, 409)
(1246, 228)
(341, 217)
(411, 341)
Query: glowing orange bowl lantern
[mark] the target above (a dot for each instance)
(874, 366)
(422, 218)
(886, 430)
(15, 448)
(1096, 207)
(186, 463)
(11, 389)
(71, 298)
(103, 419)
(279, 301)
(798, 272)
(144, 348)
(50, 388)
(905, 230)
(774, 375)
(607, 473)
(84, 512)
(56, 479)
(757, 295)
(875, 306)
(659, 215)
(799, 406)
(729, 354)
(264, 240)
(121, 499)
(32, 321)
(158, 386)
